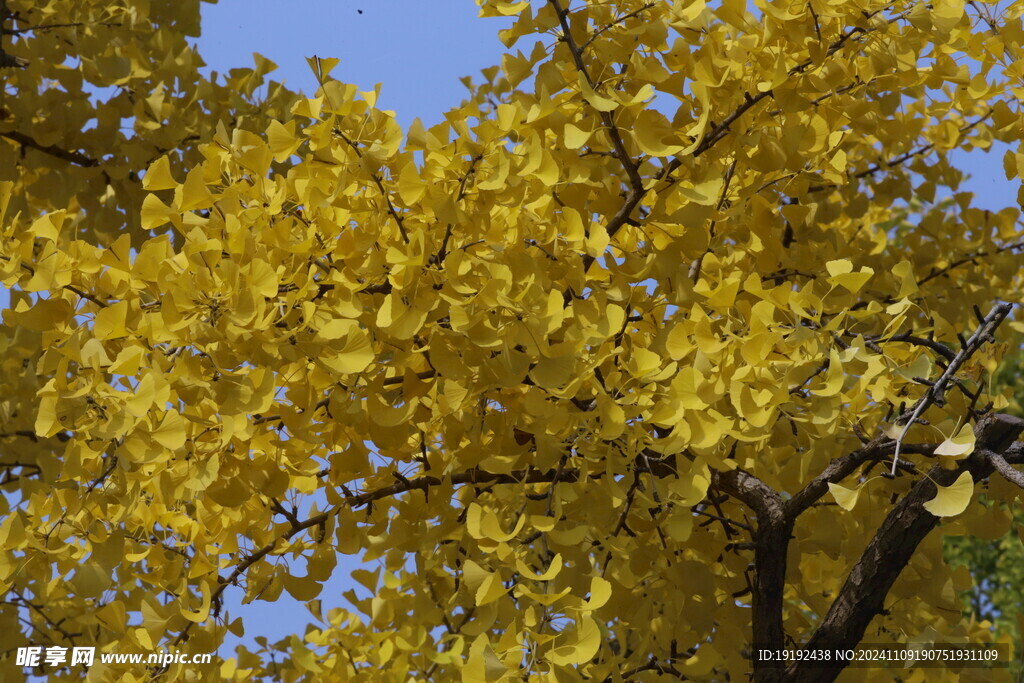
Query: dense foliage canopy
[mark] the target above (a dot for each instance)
(675, 340)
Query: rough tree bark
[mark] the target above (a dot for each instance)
(906, 525)
(863, 595)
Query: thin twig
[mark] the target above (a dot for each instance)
(623, 18)
(935, 393)
(380, 187)
(1010, 473)
(77, 158)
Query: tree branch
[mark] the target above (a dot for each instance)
(836, 471)
(719, 130)
(1010, 473)
(7, 60)
(474, 476)
(624, 18)
(898, 160)
(51, 27)
(771, 541)
(970, 258)
(862, 596)
(636, 183)
(938, 347)
(380, 187)
(936, 392)
(71, 157)
(12, 61)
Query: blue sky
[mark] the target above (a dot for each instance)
(418, 50)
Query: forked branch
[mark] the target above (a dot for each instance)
(935, 395)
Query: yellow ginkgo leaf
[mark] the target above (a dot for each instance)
(893, 431)
(158, 176)
(600, 593)
(490, 590)
(575, 137)
(482, 665)
(170, 431)
(504, 8)
(411, 187)
(584, 642)
(484, 524)
(154, 212)
(678, 344)
(838, 267)
(553, 373)
(953, 499)
(551, 572)
(203, 612)
(613, 418)
(322, 66)
(834, 377)
(193, 194)
(282, 140)
(706, 193)
(536, 363)
(959, 445)
(845, 498)
(841, 273)
(597, 101)
(110, 321)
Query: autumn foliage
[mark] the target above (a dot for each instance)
(674, 340)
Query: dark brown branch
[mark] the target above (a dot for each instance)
(324, 402)
(103, 477)
(694, 272)
(771, 539)
(938, 347)
(12, 61)
(28, 471)
(836, 471)
(923, 149)
(280, 509)
(636, 183)
(936, 392)
(6, 60)
(899, 160)
(652, 665)
(443, 251)
(1010, 473)
(422, 483)
(71, 288)
(719, 130)
(54, 625)
(620, 20)
(842, 467)
(51, 27)
(984, 16)
(907, 524)
(77, 158)
(27, 433)
(725, 521)
(970, 258)
(380, 187)
(821, 98)
(630, 494)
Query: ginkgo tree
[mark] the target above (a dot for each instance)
(671, 345)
